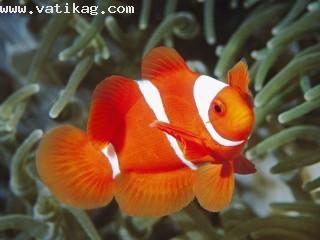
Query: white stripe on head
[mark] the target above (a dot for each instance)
(204, 91)
(112, 157)
(153, 99)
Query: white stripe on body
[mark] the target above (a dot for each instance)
(204, 91)
(153, 99)
(112, 157)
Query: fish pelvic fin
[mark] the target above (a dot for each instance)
(214, 185)
(75, 171)
(243, 166)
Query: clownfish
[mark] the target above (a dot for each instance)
(154, 144)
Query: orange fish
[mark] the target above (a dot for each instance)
(154, 144)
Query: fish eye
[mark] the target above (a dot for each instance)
(218, 107)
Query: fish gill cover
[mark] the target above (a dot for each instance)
(51, 62)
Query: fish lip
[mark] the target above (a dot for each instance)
(242, 120)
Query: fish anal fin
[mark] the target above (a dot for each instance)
(154, 194)
(76, 172)
(243, 166)
(111, 100)
(214, 185)
(163, 63)
(193, 146)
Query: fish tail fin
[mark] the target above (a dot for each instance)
(154, 194)
(214, 184)
(75, 171)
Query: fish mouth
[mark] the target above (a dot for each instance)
(244, 123)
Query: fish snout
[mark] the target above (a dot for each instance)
(243, 125)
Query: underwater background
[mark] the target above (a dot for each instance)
(51, 63)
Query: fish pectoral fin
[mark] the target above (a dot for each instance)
(193, 145)
(197, 152)
(243, 166)
(175, 131)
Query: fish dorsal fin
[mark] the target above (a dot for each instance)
(238, 77)
(111, 100)
(163, 63)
